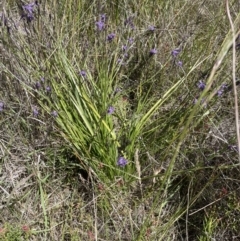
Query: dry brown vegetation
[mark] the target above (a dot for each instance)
(60, 142)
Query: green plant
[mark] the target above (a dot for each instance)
(14, 233)
(132, 99)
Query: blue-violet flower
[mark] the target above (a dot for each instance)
(1, 106)
(122, 162)
(35, 112)
(83, 73)
(175, 52)
(110, 37)
(100, 25)
(201, 85)
(110, 110)
(153, 51)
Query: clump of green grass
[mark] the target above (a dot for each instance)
(134, 95)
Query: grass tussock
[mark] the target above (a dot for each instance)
(118, 120)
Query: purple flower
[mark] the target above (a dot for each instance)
(151, 28)
(103, 18)
(29, 9)
(130, 40)
(175, 52)
(42, 79)
(1, 106)
(121, 61)
(100, 25)
(110, 37)
(35, 112)
(54, 113)
(153, 51)
(124, 48)
(179, 63)
(221, 90)
(110, 110)
(201, 85)
(38, 85)
(83, 73)
(122, 162)
(48, 89)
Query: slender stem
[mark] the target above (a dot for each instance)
(234, 78)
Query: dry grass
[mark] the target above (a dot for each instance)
(168, 191)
